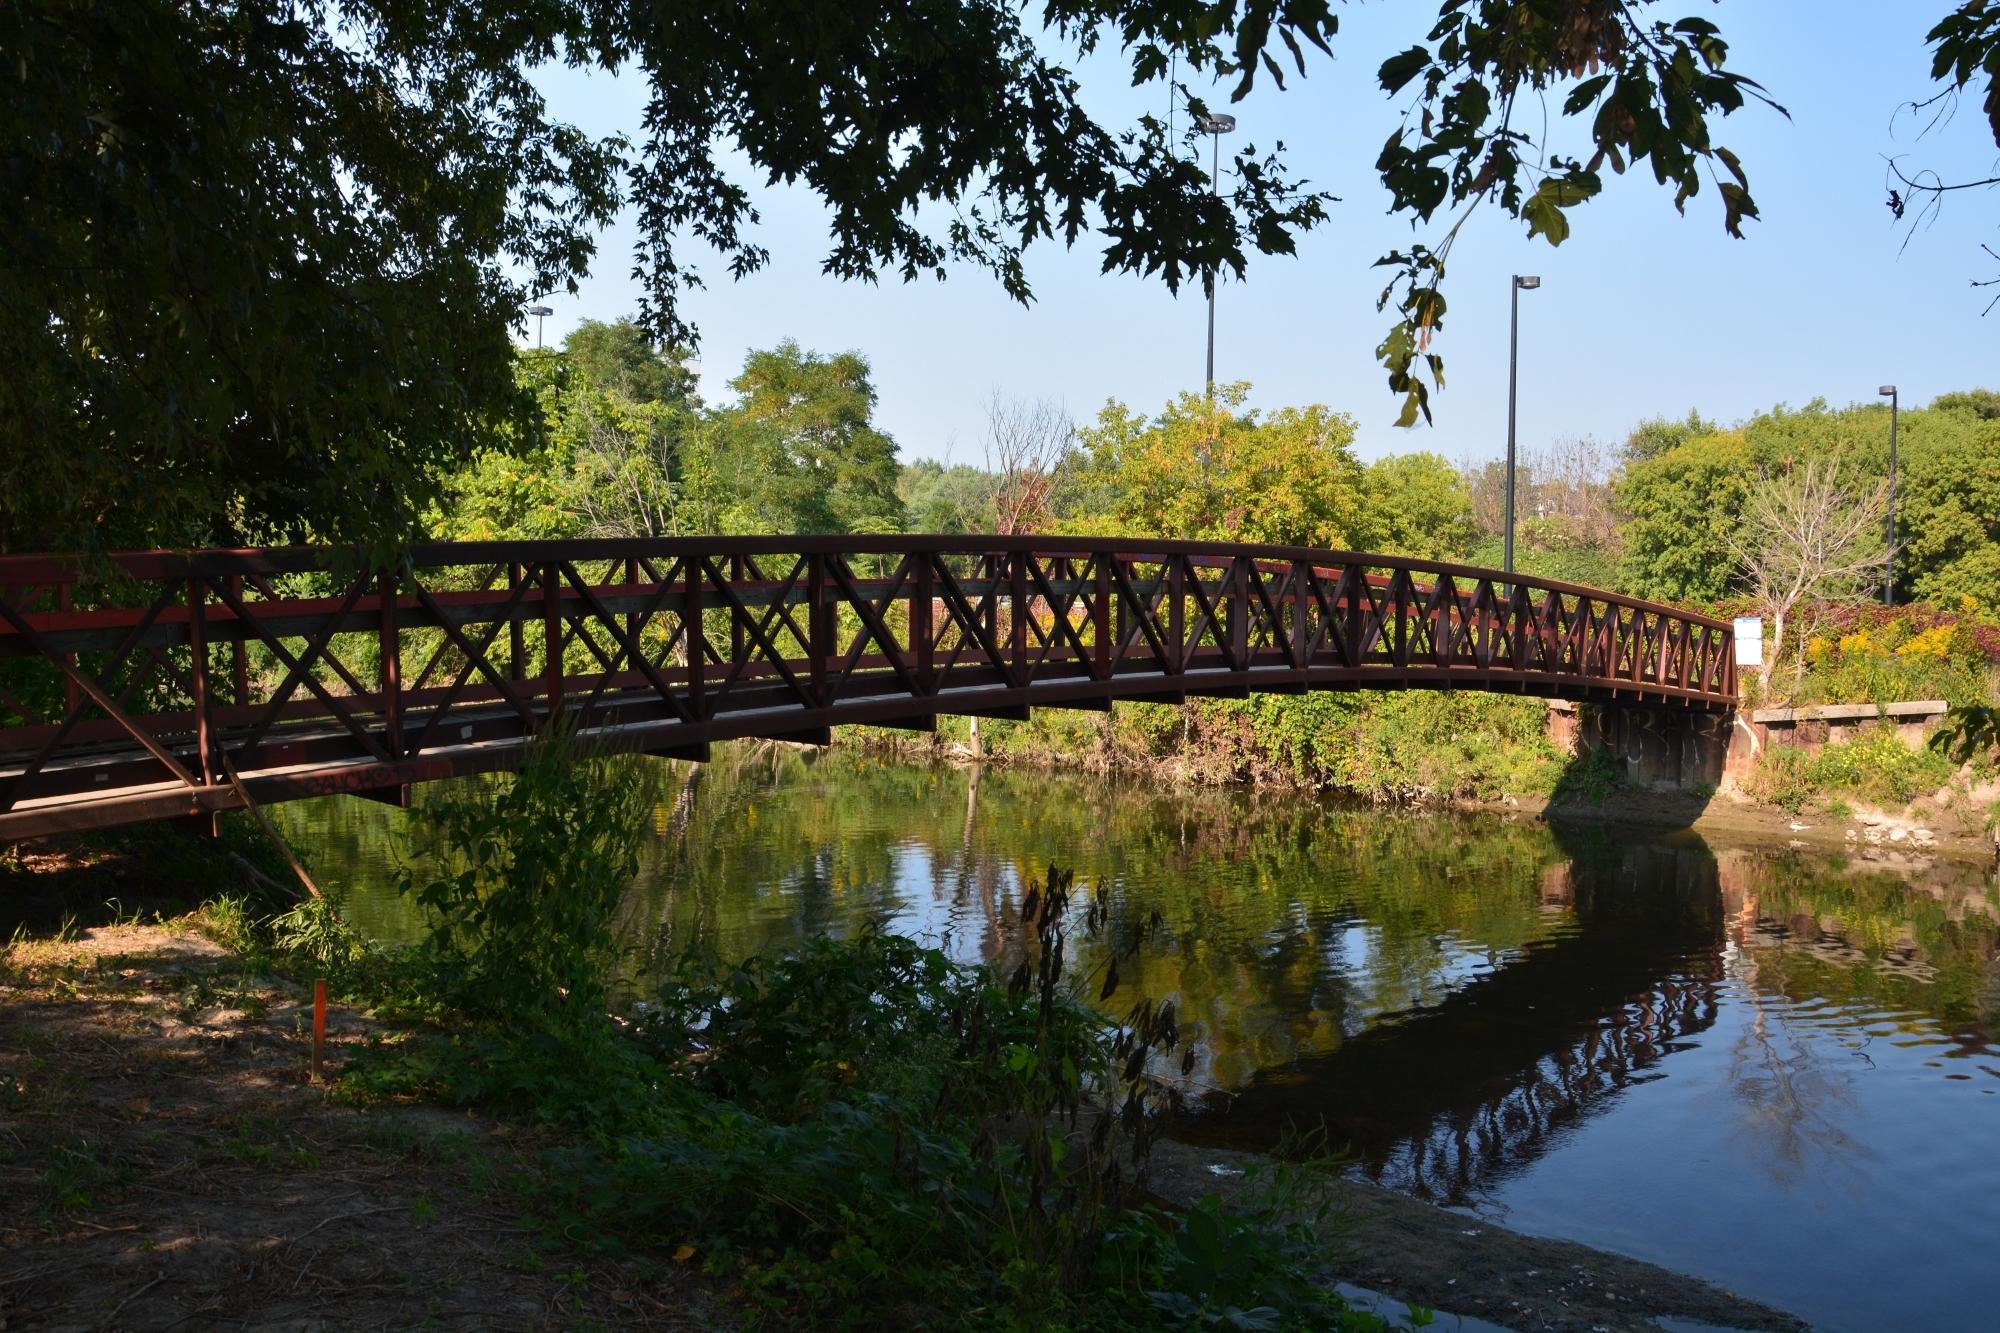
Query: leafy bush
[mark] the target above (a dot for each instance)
(1877, 767)
(524, 875)
(845, 1129)
(1593, 777)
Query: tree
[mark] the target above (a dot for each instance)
(263, 258)
(1965, 51)
(799, 451)
(1805, 539)
(1948, 521)
(622, 450)
(1420, 505)
(265, 255)
(1981, 403)
(1681, 510)
(1026, 444)
(619, 358)
(1208, 469)
(942, 499)
(1655, 435)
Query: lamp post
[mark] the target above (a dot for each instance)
(1215, 127)
(540, 312)
(1889, 561)
(1522, 283)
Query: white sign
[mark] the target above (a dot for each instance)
(1749, 641)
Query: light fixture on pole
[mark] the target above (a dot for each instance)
(1889, 560)
(1522, 283)
(540, 312)
(1215, 127)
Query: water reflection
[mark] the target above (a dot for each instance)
(1719, 1060)
(1442, 1098)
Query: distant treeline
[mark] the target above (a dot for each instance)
(629, 446)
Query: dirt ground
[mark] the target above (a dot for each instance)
(166, 1162)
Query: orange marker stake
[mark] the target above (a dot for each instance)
(319, 1030)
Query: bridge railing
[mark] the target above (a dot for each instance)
(144, 682)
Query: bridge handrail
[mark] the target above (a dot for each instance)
(23, 570)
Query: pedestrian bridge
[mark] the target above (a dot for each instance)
(149, 685)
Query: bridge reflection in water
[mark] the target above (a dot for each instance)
(1444, 1099)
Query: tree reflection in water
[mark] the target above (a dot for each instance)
(1450, 995)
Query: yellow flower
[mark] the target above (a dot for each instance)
(1933, 642)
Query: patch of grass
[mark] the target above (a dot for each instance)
(80, 1174)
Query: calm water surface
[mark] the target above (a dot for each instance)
(1779, 1071)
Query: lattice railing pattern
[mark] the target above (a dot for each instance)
(145, 684)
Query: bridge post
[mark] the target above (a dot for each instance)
(820, 646)
(1100, 618)
(1301, 645)
(552, 655)
(922, 637)
(517, 663)
(697, 641)
(204, 739)
(1176, 575)
(1017, 629)
(1121, 614)
(1518, 617)
(1239, 613)
(392, 664)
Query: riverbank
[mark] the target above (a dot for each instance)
(1949, 822)
(165, 1158)
(1458, 1264)
(1894, 837)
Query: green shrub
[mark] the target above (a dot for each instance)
(524, 874)
(1784, 778)
(1877, 767)
(1593, 777)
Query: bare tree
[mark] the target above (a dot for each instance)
(1805, 538)
(1572, 484)
(1565, 485)
(1026, 443)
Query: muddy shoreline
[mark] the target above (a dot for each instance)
(1458, 1264)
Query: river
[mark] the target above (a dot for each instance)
(1772, 1068)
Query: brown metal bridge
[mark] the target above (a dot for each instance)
(157, 684)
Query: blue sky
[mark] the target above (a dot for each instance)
(1641, 311)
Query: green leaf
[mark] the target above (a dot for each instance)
(1398, 70)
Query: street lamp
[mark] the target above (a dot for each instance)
(1215, 127)
(1522, 283)
(1889, 561)
(540, 312)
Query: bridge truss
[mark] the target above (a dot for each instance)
(148, 685)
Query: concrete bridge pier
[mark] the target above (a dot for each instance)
(1656, 749)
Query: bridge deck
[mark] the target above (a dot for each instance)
(133, 688)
